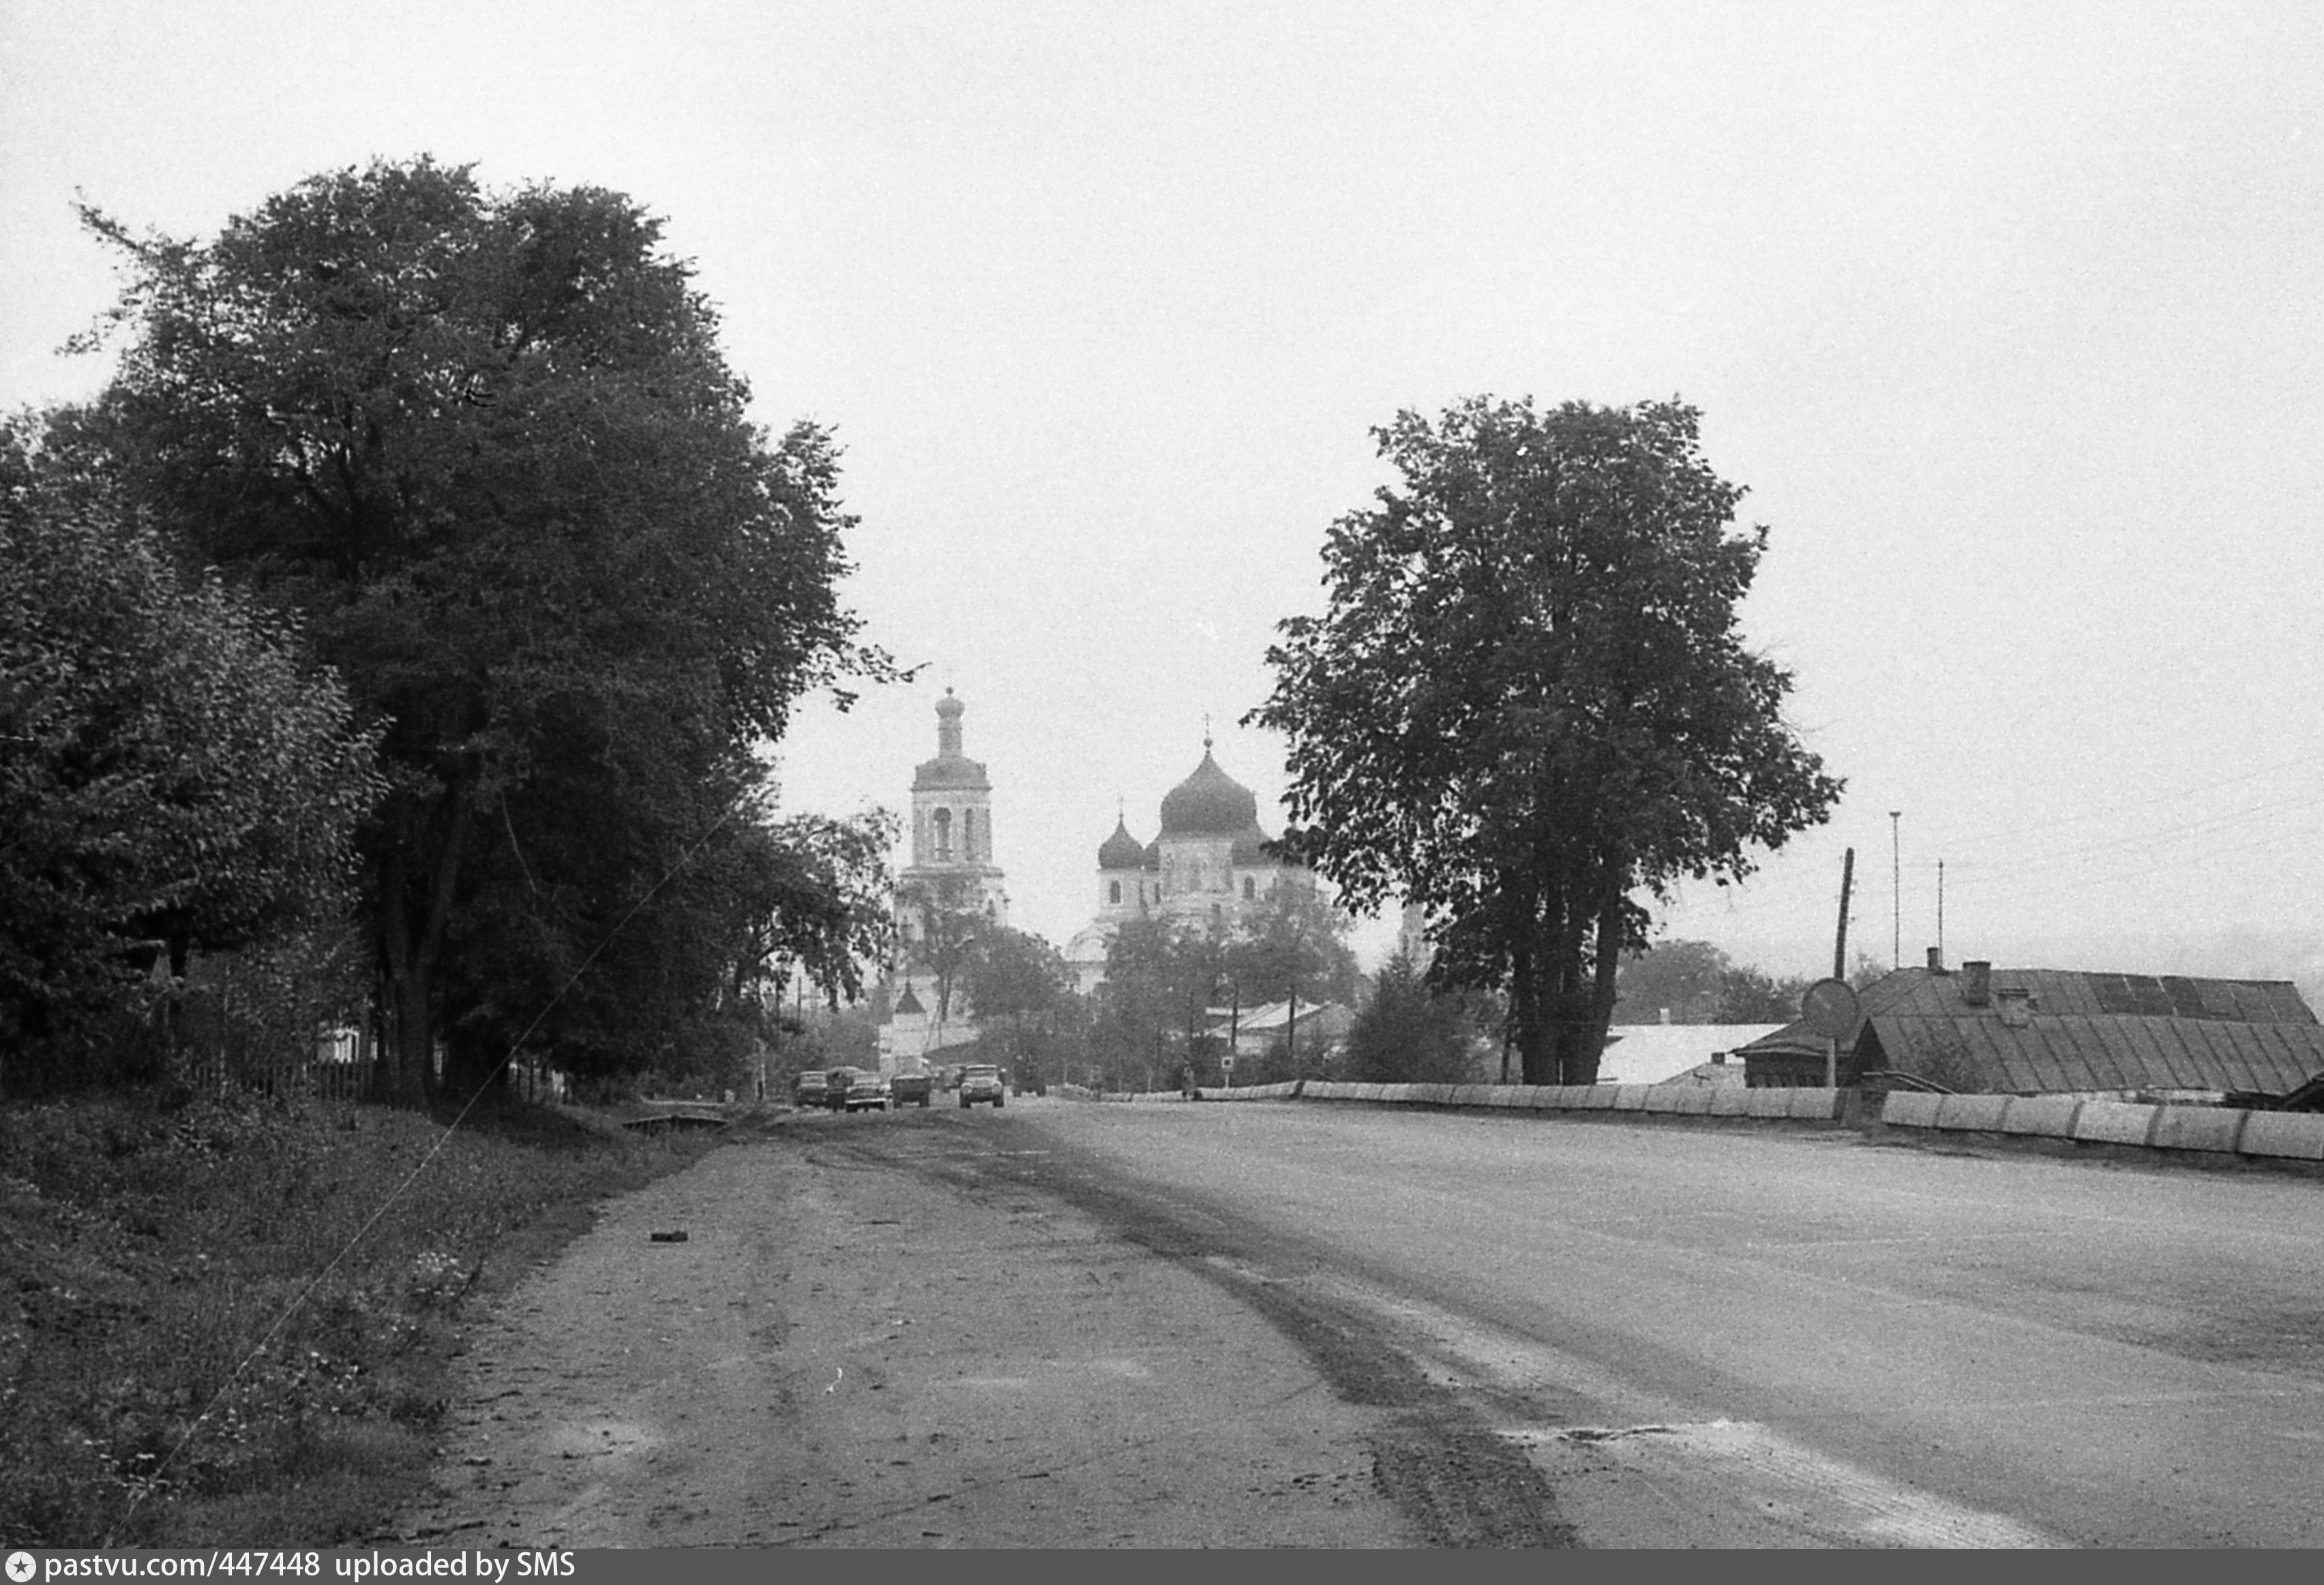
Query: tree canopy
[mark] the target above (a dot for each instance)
(1527, 707)
(169, 773)
(486, 445)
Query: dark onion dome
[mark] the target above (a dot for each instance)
(1209, 803)
(1251, 849)
(1121, 850)
(1154, 855)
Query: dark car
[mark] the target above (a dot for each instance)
(865, 1091)
(810, 1088)
(911, 1087)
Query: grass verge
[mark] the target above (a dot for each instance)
(144, 1256)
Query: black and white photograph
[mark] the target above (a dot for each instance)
(867, 775)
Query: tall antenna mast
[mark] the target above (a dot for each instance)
(1895, 894)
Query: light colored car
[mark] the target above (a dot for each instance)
(982, 1082)
(866, 1091)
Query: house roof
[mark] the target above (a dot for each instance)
(2102, 1051)
(2081, 1031)
(1276, 1015)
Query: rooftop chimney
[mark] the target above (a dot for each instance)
(2016, 1005)
(1936, 959)
(1977, 983)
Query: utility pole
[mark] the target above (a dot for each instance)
(1895, 894)
(1840, 940)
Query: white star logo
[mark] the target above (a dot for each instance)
(21, 1567)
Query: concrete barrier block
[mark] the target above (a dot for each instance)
(1910, 1109)
(1731, 1100)
(1681, 1100)
(1770, 1102)
(1369, 1092)
(1978, 1114)
(1468, 1095)
(1536, 1097)
(2198, 1128)
(2050, 1115)
(1591, 1097)
(1400, 1093)
(1631, 1097)
(1814, 1106)
(2295, 1136)
(2114, 1122)
(1504, 1095)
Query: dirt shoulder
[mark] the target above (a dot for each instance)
(893, 1332)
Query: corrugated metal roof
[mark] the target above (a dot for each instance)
(2053, 1052)
(1918, 993)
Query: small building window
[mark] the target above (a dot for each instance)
(1113, 891)
(944, 834)
(1250, 889)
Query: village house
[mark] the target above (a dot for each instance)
(1984, 1031)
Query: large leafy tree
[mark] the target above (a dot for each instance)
(1022, 992)
(1138, 1034)
(1686, 980)
(487, 444)
(1528, 708)
(169, 774)
(940, 920)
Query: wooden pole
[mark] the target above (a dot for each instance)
(1840, 940)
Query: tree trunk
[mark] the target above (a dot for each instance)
(412, 939)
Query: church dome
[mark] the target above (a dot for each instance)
(1209, 803)
(1121, 850)
(1251, 849)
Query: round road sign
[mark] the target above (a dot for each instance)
(1828, 1007)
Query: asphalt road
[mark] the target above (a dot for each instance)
(1745, 1335)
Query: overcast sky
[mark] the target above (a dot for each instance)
(2009, 317)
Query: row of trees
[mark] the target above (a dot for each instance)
(1696, 982)
(419, 568)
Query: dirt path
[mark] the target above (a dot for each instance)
(886, 1332)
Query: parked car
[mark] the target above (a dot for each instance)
(982, 1082)
(866, 1091)
(908, 1087)
(810, 1088)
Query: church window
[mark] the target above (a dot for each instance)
(1113, 891)
(1250, 889)
(943, 835)
(968, 834)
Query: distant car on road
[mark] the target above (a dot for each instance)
(982, 1082)
(866, 1091)
(909, 1087)
(836, 1083)
(811, 1088)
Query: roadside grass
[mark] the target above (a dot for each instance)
(144, 1256)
